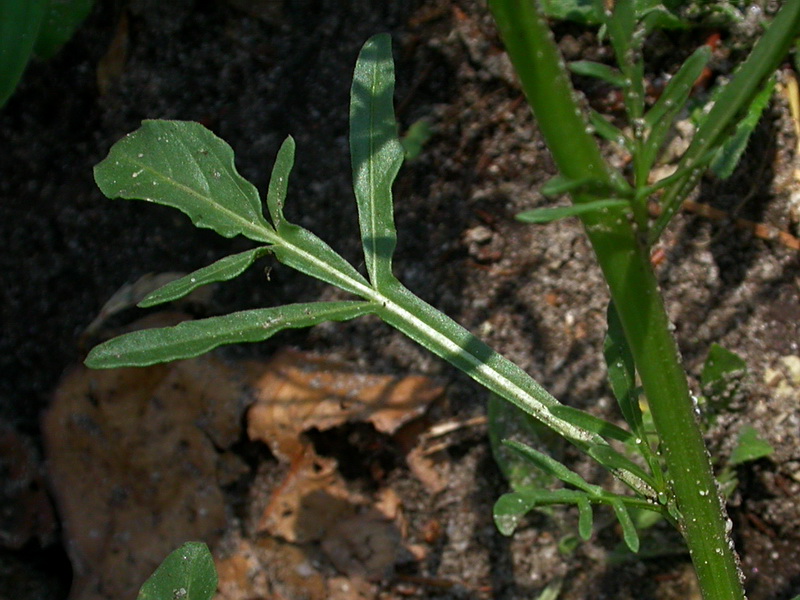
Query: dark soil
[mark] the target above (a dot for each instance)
(534, 294)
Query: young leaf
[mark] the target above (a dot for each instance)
(510, 508)
(548, 215)
(659, 118)
(192, 338)
(721, 377)
(629, 533)
(279, 181)
(554, 467)
(732, 101)
(298, 247)
(507, 420)
(222, 270)
(376, 154)
(585, 518)
(598, 70)
(183, 165)
(749, 447)
(608, 131)
(188, 573)
(728, 156)
(415, 138)
(621, 373)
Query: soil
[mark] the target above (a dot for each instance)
(533, 293)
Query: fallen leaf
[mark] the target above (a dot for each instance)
(133, 461)
(311, 499)
(296, 392)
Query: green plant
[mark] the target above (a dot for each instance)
(185, 166)
(188, 573)
(34, 27)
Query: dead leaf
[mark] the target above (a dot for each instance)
(310, 500)
(112, 64)
(133, 461)
(296, 392)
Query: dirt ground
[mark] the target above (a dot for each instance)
(254, 72)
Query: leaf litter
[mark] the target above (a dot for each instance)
(140, 461)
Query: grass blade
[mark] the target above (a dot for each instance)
(183, 165)
(192, 338)
(376, 154)
(222, 270)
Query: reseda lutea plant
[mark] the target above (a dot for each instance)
(185, 166)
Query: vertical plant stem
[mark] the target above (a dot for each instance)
(634, 290)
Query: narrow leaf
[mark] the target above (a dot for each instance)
(732, 101)
(598, 70)
(510, 508)
(608, 131)
(659, 118)
(629, 533)
(188, 573)
(614, 461)
(279, 181)
(587, 421)
(192, 338)
(548, 215)
(553, 467)
(183, 165)
(222, 270)
(585, 518)
(621, 372)
(376, 153)
(304, 251)
(729, 155)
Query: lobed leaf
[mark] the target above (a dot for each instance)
(221, 270)
(376, 154)
(188, 573)
(183, 165)
(192, 338)
(731, 152)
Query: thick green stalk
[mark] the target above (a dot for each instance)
(633, 287)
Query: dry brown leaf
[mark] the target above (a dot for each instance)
(312, 497)
(296, 392)
(133, 465)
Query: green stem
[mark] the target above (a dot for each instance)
(634, 290)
